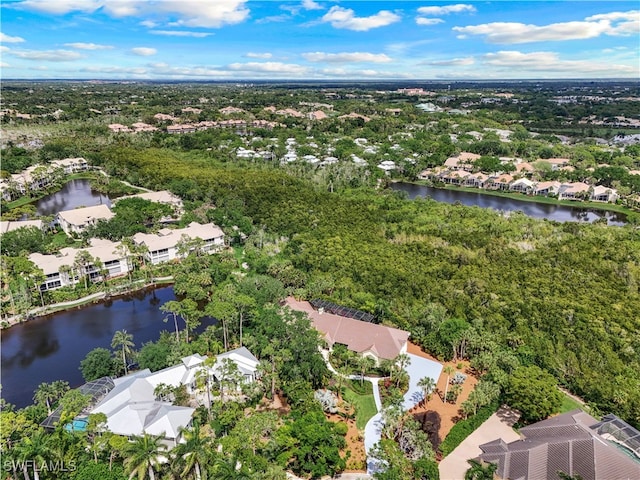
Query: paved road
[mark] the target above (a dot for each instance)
(454, 465)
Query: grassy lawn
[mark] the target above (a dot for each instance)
(569, 404)
(364, 404)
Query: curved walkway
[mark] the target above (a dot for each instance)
(418, 368)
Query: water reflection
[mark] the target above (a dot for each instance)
(51, 348)
(74, 194)
(560, 213)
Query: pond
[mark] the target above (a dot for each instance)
(50, 348)
(559, 213)
(74, 194)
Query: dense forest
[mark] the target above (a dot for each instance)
(466, 282)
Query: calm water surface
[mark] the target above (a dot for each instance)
(560, 213)
(50, 348)
(74, 194)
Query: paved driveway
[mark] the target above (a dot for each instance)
(418, 369)
(454, 465)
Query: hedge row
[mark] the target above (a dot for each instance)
(464, 428)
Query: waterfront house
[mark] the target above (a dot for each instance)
(603, 194)
(456, 177)
(74, 222)
(499, 182)
(71, 165)
(547, 188)
(60, 270)
(477, 180)
(164, 245)
(522, 185)
(365, 338)
(573, 191)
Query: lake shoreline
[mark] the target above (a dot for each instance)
(88, 300)
(608, 207)
(491, 199)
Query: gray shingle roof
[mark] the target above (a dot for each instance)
(574, 443)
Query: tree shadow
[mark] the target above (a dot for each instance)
(430, 422)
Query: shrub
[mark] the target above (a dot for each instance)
(464, 428)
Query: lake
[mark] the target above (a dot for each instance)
(559, 213)
(50, 348)
(74, 194)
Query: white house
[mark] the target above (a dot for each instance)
(134, 407)
(76, 221)
(523, 185)
(11, 226)
(71, 165)
(109, 253)
(604, 194)
(163, 246)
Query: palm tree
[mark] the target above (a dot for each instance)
(122, 339)
(194, 454)
(142, 455)
(427, 385)
(449, 370)
(37, 450)
(480, 471)
(44, 394)
(229, 468)
(401, 362)
(82, 262)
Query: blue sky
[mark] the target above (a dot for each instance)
(312, 39)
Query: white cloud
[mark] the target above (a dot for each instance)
(149, 23)
(551, 62)
(47, 55)
(369, 73)
(615, 24)
(346, 57)
(180, 33)
(4, 38)
(311, 5)
(453, 62)
(428, 21)
(144, 51)
(269, 67)
(59, 7)
(119, 70)
(88, 46)
(258, 55)
(447, 9)
(345, 18)
(4, 65)
(190, 13)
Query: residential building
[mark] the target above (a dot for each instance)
(604, 194)
(245, 361)
(573, 443)
(522, 185)
(163, 246)
(74, 222)
(71, 165)
(573, 191)
(11, 226)
(556, 163)
(60, 270)
(547, 188)
(367, 339)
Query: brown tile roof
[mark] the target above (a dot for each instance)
(384, 342)
(569, 443)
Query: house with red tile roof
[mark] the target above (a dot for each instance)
(368, 339)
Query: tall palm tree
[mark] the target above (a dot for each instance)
(45, 394)
(194, 454)
(143, 455)
(82, 261)
(449, 370)
(427, 385)
(124, 341)
(229, 468)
